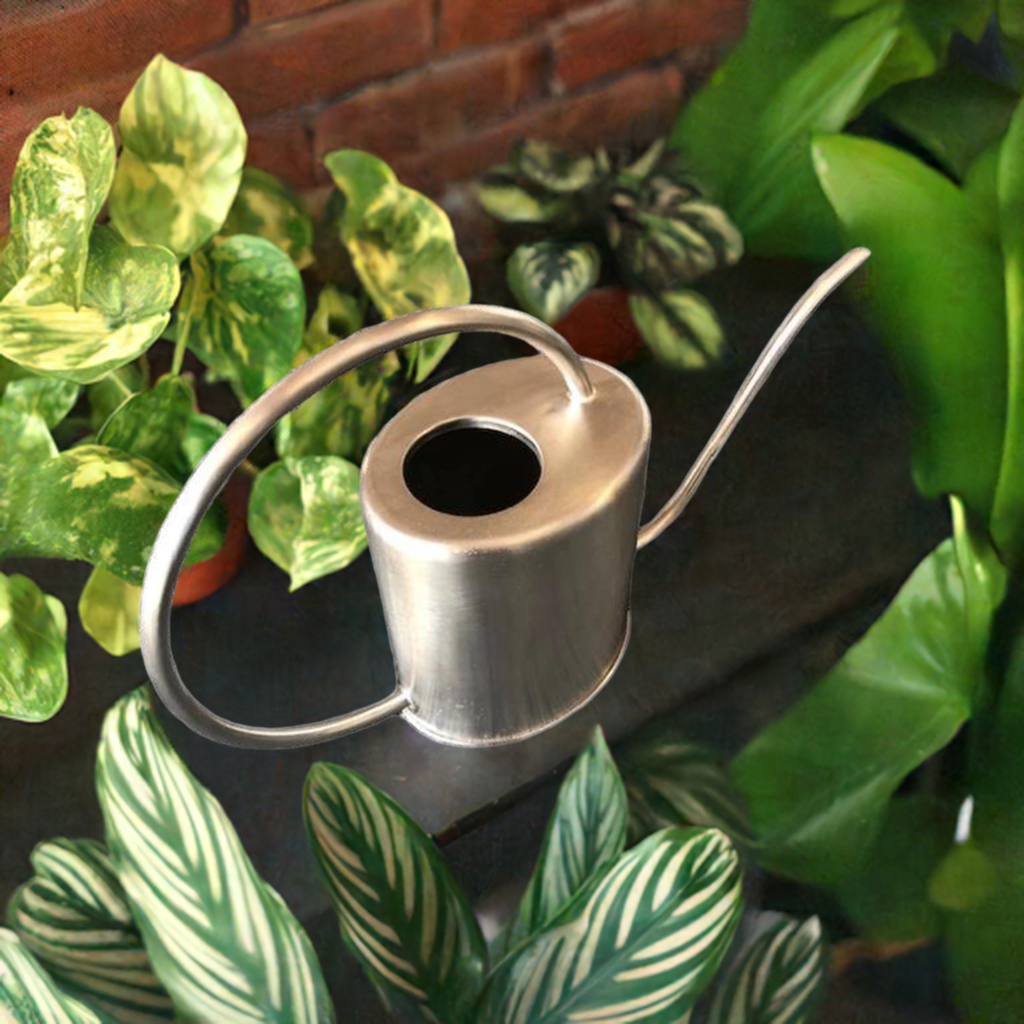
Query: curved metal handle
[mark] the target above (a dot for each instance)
(759, 373)
(238, 440)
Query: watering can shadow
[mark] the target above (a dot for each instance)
(501, 509)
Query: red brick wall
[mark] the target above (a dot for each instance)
(440, 88)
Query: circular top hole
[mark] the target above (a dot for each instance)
(471, 470)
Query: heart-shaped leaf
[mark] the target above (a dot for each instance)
(46, 397)
(75, 918)
(220, 939)
(402, 914)
(33, 664)
(25, 443)
(549, 278)
(181, 163)
(680, 327)
(244, 310)
(108, 608)
(641, 946)
(304, 516)
(402, 247)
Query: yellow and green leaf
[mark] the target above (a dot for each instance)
(680, 327)
(108, 608)
(549, 278)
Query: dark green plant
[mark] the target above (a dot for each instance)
(648, 224)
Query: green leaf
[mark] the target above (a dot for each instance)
(75, 918)
(818, 781)
(585, 835)
(501, 195)
(964, 880)
(202, 432)
(46, 397)
(937, 296)
(246, 307)
(779, 977)
(268, 208)
(671, 783)
(221, 941)
(33, 665)
(402, 915)
(402, 247)
(552, 168)
(304, 516)
(549, 278)
(680, 327)
(109, 611)
(28, 994)
(181, 163)
(640, 946)
(107, 394)
(25, 443)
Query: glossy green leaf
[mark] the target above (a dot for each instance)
(202, 432)
(501, 195)
(25, 443)
(108, 608)
(818, 781)
(549, 278)
(640, 946)
(779, 976)
(33, 664)
(265, 206)
(181, 163)
(550, 167)
(304, 516)
(402, 915)
(245, 308)
(221, 941)
(109, 392)
(28, 994)
(402, 247)
(586, 834)
(46, 397)
(680, 327)
(75, 918)
(937, 297)
(1011, 18)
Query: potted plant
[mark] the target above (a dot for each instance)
(610, 251)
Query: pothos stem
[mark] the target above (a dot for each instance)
(186, 323)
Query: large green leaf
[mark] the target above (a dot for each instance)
(304, 516)
(75, 918)
(640, 946)
(46, 397)
(779, 977)
(107, 394)
(585, 835)
(25, 443)
(244, 309)
(401, 912)
(937, 295)
(181, 163)
(818, 781)
(108, 608)
(680, 327)
(28, 994)
(268, 208)
(402, 247)
(549, 278)
(33, 665)
(221, 941)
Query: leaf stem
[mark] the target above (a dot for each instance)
(186, 324)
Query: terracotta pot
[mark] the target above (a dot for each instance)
(601, 327)
(205, 578)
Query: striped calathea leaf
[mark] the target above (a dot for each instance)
(221, 941)
(33, 664)
(268, 208)
(181, 162)
(402, 247)
(680, 327)
(585, 835)
(778, 977)
(401, 912)
(639, 946)
(242, 312)
(304, 516)
(552, 168)
(503, 196)
(28, 994)
(74, 916)
(548, 278)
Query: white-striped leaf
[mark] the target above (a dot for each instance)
(108, 609)
(549, 278)
(641, 946)
(45, 397)
(671, 783)
(586, 833)
(181, 163)
(220, 939)
(779, 976)
(402, 247)
(28, 994)
(401, 912)
(501, 195)
(75, 918)
(304, 516)
(553, 168)
(244, 308)
(680, 327)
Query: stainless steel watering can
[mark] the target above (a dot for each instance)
(501, 509)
